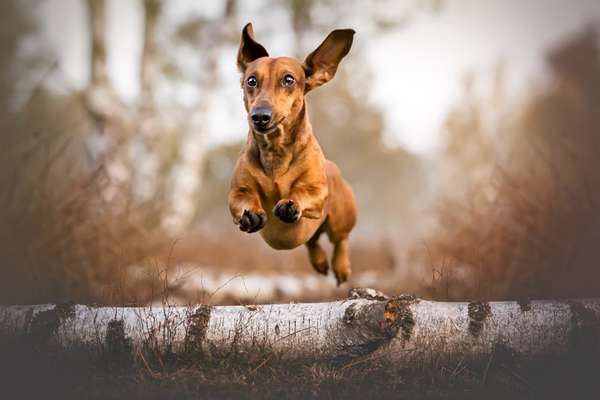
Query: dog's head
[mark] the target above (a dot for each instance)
(274, 88)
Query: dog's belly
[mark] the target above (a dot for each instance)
(283, 236)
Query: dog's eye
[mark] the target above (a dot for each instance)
(251, 81)
(288, 80)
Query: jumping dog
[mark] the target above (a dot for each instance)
(282, 185)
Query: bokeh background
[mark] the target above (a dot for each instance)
(469, 130)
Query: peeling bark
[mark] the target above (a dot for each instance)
(404, 329)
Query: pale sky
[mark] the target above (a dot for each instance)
(417, 70)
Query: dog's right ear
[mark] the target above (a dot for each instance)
(249, 49)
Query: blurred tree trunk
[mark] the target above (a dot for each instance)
(186, 176)
(124, 143)
(147, 180)
(127, 144)
(106, 111)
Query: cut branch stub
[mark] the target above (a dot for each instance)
(363, 329)
(368, 327)
(399, 312)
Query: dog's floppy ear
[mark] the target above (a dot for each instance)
(249, 49)
(320, 65)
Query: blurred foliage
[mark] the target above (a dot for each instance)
(529, 226)
(515, 188)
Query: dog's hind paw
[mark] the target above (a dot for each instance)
(287, 211)
(342, 275)
(252, 222)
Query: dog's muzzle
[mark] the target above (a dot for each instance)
(261, 118)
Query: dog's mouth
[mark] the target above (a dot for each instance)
(264, 130)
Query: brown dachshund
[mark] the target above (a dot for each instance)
(282, 184)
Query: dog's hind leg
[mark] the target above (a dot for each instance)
(341, 218)
(341, 261)
(318, 257)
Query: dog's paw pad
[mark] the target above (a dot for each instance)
(252, 222)
(287, 211)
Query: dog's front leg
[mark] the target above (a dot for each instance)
(305, 200)
(246, 210)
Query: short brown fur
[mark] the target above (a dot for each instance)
(282, 185)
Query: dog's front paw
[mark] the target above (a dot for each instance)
(287, 211)
(252, 222)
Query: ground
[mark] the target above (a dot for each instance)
(28, 372)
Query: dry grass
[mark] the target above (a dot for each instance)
(59, 240)
(520, 232)
(26, 372)
(532, 228)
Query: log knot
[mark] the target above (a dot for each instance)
(585, 329)
(399, 315)
(478, 313)
(349, 314)
(44, 325)
(197, 328)
(118, 345)
(524, 304)
(362, 330)
(367, 327)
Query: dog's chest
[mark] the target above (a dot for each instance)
(277, 176)
(275, 188)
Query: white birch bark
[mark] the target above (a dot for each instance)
(402, 329)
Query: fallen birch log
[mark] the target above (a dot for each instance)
(405, 329)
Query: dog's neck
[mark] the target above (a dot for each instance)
(276, 150)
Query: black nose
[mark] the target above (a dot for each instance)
(261, 116)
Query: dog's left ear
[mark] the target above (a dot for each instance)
(249, 49)
(320, 65)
